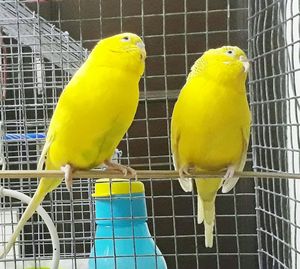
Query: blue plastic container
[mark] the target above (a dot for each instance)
(122, 239)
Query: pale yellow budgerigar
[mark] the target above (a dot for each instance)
(210, 127)
(92, 115)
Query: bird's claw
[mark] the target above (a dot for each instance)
(183, 172)
(125, 170)
(185, 179)
(132, 172)
(68, 170)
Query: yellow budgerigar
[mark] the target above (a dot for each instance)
(92, 115)
(211, 127)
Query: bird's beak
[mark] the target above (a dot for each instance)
(141, 46)
(245, 63)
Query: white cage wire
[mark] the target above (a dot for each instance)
(274, 90)
(42, 43)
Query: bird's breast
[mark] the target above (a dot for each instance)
(210, 127)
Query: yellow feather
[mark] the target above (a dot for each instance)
(211, 125)
(93, 113)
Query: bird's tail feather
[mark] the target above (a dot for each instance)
(207, 191)
(206, 214)
(46, 185)
(200, 213)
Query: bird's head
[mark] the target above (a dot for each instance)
(126, 50)
(227, 62)
(230, 56)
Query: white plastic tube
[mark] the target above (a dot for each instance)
(41, 211)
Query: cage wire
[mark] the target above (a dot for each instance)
(43, 43)
(274, 90)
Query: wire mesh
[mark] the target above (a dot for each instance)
(44, 42)
(274, 47)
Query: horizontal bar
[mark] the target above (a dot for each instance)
(141, 174)
(28, 136)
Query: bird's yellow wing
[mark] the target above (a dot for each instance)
(229, 183)
(185, 182)
(86, 137)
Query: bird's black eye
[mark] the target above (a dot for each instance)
(125, 38)
(230, 52)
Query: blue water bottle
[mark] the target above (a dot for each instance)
(122, 239)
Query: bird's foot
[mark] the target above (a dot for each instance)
(183, 172)
(68, 170)
(230, 172)
(125, 170)
(185, 180)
